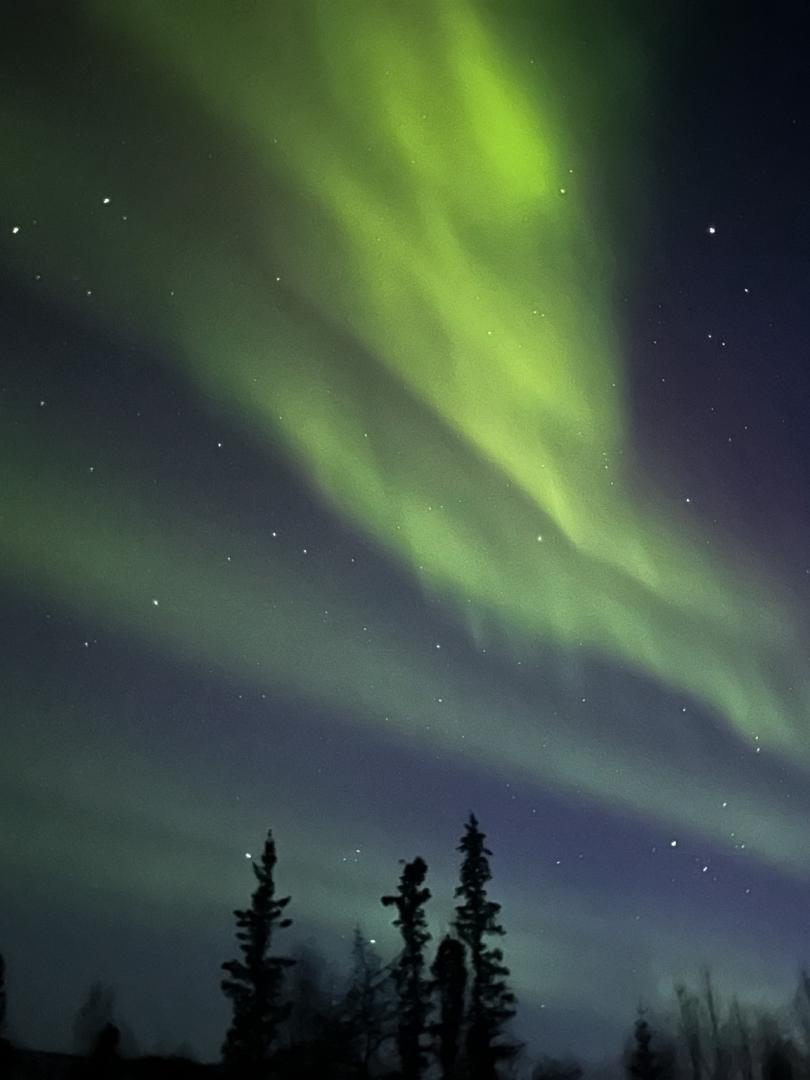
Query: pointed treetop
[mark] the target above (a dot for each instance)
(473, 839)
(254, 983)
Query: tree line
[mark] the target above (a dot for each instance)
(453, 1011)
(445, 1014)
(441, 1015)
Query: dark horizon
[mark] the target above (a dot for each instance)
(327, 1015)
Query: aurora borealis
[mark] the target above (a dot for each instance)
(403, 412)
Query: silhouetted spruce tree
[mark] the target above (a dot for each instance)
(742, 1041)
(691, 1028)
(3, 999)
(255, 983)
(318, 1040)
(96, 1012)
(720, 1056)
(491, 1002)
(450, 979)
(5, 1045)
(413, 989)
(368, 1006)
(310, 998)
(105, 1060)
(801, 1005)
(643, 1061)
(776, 1062)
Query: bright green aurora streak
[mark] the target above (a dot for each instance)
(449, 234)
(429, 326)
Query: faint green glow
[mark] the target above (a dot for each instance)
(261, 617)
(438, 217)
(419, 300)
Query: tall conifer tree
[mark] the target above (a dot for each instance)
(450, 979)
(413, 989)
(645, 1062)
(491, 1002)
(369, 1008)
(6, 1053)
(3, 1000)
(254, 984)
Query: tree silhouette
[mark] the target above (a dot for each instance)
(491, 1002)
(368, 1008)
(776, 1063)
(413, 989)
(6, 1052)
(644, 1062)
(742, 1042)
(310, 999)
(95, 1013)
(317, 1039)
(450, 979)
(690, 1027)
(3, 999)
(255, 983)
(720, 1060)
(105, 1059)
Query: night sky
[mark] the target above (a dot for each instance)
(403, 412)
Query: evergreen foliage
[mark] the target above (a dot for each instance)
(254, 983)
(491, 1002)
(6, 1052)
(742, 1048)
(3, 999)
(776, 1064)
(691, 1028)
(450, 980)
(413, 989)
(368, 1006)
(95, 1013)
(311, 1003)
(315, 1031)
(644, 1062)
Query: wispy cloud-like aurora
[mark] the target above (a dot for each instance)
(429, 325)
(443, 224)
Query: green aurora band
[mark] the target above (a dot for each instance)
(446, 235)
(411, 286)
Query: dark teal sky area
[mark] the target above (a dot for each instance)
(403, 413)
